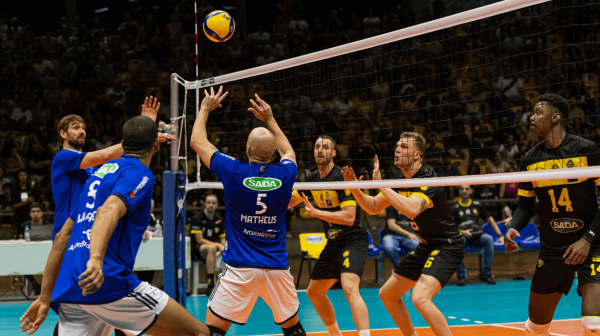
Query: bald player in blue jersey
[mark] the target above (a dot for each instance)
(256, 198)
(71, 167)
(88, 279)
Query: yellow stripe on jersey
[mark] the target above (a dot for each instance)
(423, 196)
(326, 198)
(526, 193)
(347, 203)
(572, 162)
(597, 181)
(196, 231)
(222, 235)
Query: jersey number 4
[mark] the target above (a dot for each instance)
(562, 200)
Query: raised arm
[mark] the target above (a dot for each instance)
(371, 204)
(102, 156)
(199, 140)
(345, 216)
(38, 311)
(107, 218)
(262, 111)
(295, 200)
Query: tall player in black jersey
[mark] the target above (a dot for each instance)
(441, 250)
(569, 220)
(347, 246)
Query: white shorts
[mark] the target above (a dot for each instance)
(238, 289)
(133, 314)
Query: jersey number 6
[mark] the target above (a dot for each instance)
(263, 205)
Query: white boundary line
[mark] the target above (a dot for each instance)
(420, 29)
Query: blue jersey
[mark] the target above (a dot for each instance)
(131, 181)
(67, 183)
(256, 204)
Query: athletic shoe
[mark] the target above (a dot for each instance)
(462, 281)
(488, 279)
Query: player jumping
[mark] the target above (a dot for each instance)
(347, 246)
(96, 248)
(256, 198)
(569, 220)
(441, 249)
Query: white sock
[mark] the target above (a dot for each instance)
(591, 325)
(334, 330)
(532, 329)
(415, 334)
(365, 332)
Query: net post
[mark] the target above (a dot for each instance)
(174, 116)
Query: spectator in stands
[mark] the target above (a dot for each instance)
(38, 161)
(36, 217)
(265, 58)
(371, 24)
(280, 28)
(466, 214)
(14, 163)
(208, 237)
(498, 165)
(298, 27)
(398, 233)
(260, 38)
(25, 192)
(6, 203)
(3, 180)
(509, 149)
(104, 72)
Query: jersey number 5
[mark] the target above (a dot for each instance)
(562, 200)
(259, 203)
(92, 194)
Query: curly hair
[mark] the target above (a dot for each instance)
(557, 102)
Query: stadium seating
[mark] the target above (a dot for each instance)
(311, 245)
(530, 238)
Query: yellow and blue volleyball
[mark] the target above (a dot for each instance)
(218, 26)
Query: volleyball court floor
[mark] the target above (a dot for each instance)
(477, 309)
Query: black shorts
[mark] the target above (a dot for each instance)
(196, 255)
(346, 256)
(552, 275)
(438, 262)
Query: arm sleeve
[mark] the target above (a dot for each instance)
(523, 213)
(195, 226)
(427, 193)
(346, 199)
(67, 160)
(224, 166)
(135, 189)
(526, 188)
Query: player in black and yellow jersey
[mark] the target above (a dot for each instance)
(441, 250)
(347, 245)
(569, 219)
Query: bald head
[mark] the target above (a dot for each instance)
(261, 145)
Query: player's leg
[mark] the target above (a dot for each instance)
(175, 320)
(317, 294)
(74, 320)
(487, 242)
(208, 253)
(391, 295)
(589, 289)
(551, 280)
(422, 297)
(390, 244)
(360, 313)
(279, 293)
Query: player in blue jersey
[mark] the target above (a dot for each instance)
(95, 290)
(71, 167)
(256, 199)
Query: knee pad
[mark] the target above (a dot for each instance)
(214, 331)
(591, 325)
(295, 330)
(532, 329)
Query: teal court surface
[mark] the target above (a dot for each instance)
(477, 309)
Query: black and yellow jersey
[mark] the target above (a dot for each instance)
(211, 229)
(467, 215)
(334, 200)
(434, 226)
(567, 206)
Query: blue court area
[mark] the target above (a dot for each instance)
(474, 304)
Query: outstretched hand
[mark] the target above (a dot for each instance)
(163, 137)
(308, 206)
(262, 111)
(35, 315)
(150, 108)
(509, 242)
(376, 171)
(213, 100)
(349, 175)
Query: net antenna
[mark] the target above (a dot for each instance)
(480, 13)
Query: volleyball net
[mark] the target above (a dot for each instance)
(467, 83)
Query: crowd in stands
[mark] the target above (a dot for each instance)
(469, 89)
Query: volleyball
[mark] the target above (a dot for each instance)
(218, 26)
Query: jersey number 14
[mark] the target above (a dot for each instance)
(562, 200)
